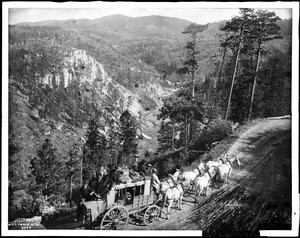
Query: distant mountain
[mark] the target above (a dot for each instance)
(155, 40)
(121, 23)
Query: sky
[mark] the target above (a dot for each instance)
(198, 12)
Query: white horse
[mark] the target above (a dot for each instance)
(169, 182)
(201, 184)
(171, 195)
(221, 160)
(223, 171)
(191, 175)
(188, 177)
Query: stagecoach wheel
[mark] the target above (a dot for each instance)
(151, 214)
(115, 218)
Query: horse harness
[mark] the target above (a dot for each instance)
(169, 182)
(173, 196)
(198, 171)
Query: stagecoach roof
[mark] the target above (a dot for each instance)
(129, 184)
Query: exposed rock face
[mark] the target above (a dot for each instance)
(142, 101)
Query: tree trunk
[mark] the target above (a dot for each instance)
(81, 170)
(193, 72)
(186, 135)
(173, 135)
(254, 81)
(221, 70)
(233, 76)
(74, 109)
(190, 129)
(71, 191)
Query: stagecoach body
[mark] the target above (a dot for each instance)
(122, 201)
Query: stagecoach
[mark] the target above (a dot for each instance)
(130, 199)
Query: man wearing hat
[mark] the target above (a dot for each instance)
(93, 181)
(134, 163)
(155, 182)
(85, 195)
(143, 169)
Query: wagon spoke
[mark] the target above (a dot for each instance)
(122, 218)
(123, 215)
(108, 216)
(107, 225)
(107, 220)
(113, 215)
(122, 222)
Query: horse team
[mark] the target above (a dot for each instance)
(197, 180)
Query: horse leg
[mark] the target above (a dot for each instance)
(213, 184)
(191, 187)
(198, 197)
(221, 181)
(228, 175)
(180, 201)
(163, 204)
(188, 190)
(169, 208)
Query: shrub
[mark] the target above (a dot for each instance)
(168, 162)
(216, 131)
(22, 206)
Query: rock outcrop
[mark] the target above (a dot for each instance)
(142, 101)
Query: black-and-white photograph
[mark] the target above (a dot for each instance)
(150, 119)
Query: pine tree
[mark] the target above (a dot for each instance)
(72, 166)
(165, 136)
(190, 66)
(237, 30)
(265, 29)
(129, 136)
(95, 148)
(48, 170)
(178, 106)
(113, 143)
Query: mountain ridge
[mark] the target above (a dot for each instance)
(104, 18)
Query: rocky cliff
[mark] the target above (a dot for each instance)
(94, 84)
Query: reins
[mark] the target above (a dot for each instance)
(199, 170)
